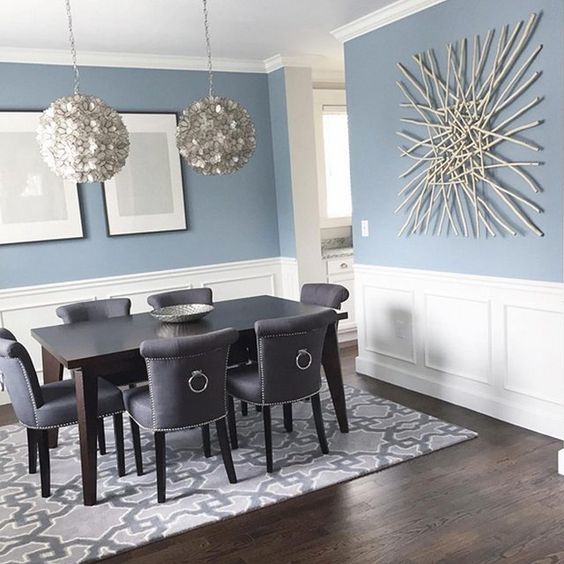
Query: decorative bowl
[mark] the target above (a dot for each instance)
(181, 313)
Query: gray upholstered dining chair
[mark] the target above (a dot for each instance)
(50, 406)
(323, 294)
(239, 353)
(288, 370)
(188, 296)
(187, 378)
(96, 310)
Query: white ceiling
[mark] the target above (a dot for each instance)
(248, 30)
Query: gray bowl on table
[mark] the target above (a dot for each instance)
(181, 313)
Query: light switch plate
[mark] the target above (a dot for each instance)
(364, 228)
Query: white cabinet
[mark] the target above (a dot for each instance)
(340, 271)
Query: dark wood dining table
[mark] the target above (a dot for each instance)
(92, 349)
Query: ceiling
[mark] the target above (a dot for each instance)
(249, 30)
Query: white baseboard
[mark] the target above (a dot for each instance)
(545, 423)
(492, 345)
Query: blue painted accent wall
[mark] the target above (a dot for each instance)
(282, 167)
(373, 106)
(229, 218)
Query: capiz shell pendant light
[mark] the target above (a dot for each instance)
(215, 134)
(80, 137)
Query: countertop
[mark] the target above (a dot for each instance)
(335, 253)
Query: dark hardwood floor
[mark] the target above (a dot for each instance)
(497, 498)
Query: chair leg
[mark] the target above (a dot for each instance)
(244, 408)
(120, 451)
(232, 423)
(44, 462)
(267, 437)
(160, 452)
(206, 440)
(318, 417)
(225, 450)
(101, 436)
(32, 451)
(136, 446)
(288, 424)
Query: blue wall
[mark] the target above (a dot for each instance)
(282, 166)
(229, 218)
(373, 105)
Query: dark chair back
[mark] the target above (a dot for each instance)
(289, 355)
(94, 310)
(189, 296)
(328, 295)
(187, 378)
(20, 379)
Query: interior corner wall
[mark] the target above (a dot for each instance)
(230, 218)
(475, 322)
(282, 164)
(301, 137)
(373, 100)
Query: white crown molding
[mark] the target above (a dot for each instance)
(384, 16)
(168, 62)
(319, 73)
(127, 60)
(279, 61)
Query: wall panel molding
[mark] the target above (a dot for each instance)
(493, 345)
(22, 309)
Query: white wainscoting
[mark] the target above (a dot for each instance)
(492, 345)
(22, 309)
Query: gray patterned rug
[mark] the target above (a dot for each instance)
(61, 529)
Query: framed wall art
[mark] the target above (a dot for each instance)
(147, 195)
(35, 204)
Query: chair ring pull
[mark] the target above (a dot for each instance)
(303, 352)
(198, 374)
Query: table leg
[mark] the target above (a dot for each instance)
(332, 365)
(52, 372)
(87, 404)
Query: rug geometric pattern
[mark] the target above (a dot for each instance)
(60, 529)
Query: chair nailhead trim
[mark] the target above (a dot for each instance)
(150, 374)
(278, 402)
(30, 391)
(72, 422)
(178, 428)
(261, 367)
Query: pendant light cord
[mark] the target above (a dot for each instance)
(73, 48)
(208, 47)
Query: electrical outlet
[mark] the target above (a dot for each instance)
(364, 228)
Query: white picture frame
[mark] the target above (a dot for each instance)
(35, 204)
(147, 195)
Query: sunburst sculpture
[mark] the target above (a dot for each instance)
(462, 114)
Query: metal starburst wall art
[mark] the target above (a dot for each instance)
(462, 119)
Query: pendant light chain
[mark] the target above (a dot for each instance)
(80, 137)
(73, 49)
(208, 47)
(215, 134)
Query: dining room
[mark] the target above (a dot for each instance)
(281, 281)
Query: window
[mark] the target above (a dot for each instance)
(332, 142)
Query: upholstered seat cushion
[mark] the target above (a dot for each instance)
(59, 403)
(243, 382)
(138, 404)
